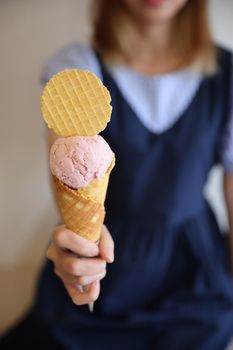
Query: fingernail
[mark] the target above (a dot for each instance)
(110, 258)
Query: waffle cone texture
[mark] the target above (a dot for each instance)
(83, 210)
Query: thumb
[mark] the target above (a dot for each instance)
(106, 245)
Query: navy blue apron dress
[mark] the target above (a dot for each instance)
(170, 286)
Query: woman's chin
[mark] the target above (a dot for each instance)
(154, 3)
(155, 10)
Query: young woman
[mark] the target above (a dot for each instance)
(170, 285)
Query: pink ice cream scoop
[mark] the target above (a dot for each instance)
(78, 160)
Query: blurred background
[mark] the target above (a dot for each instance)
(30, 32)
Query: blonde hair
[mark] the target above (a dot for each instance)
(114, 29)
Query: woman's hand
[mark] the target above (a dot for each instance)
(80, 263)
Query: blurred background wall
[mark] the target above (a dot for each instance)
(30, 32)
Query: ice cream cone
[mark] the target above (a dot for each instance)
(83, 209)
(75, 103)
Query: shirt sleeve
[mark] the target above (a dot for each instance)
(226, 152)
(78, 56)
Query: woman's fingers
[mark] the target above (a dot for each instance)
(67, 263)
(87, 295)
(81, 280)
(106, 245)
(77, 263)
(82, 266)
(66, 239)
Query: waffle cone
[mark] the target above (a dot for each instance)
(97, 189)
(83, 209)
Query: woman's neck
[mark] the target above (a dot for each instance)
(155, 49)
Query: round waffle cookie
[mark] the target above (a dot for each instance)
(76, 103)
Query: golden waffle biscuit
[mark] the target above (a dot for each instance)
(75, 102)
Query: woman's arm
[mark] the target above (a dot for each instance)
(228, 191)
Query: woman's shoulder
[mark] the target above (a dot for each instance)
(80, 56)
